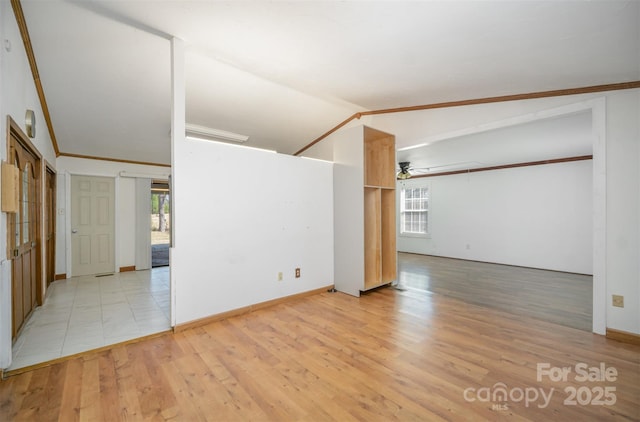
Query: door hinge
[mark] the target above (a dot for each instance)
(15, 253)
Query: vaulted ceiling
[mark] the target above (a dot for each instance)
(285, 72)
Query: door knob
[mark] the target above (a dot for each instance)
(74, 231)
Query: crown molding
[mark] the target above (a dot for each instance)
(117, 160)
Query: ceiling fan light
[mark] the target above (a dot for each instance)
(403, 175)
(404, 170)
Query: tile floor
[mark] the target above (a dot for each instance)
(84, 313)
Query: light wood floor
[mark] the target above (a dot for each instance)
(389, 355)
(558, 297)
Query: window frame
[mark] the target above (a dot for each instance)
(405, 185)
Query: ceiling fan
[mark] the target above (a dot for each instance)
(406, 171)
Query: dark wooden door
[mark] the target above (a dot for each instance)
(50, 225)
(23, 231)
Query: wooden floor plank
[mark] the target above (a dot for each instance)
(188, 395)
(35, 401)
(71, 391)
(111, 408)
(126, 385)
(54, 389)
(90, 404)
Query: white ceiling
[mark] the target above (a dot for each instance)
(562, 136)
(285, 72)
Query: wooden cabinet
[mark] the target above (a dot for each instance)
(379, 208)
(365, 209)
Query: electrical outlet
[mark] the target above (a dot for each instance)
(618, 301)
(280, 276)
(297, 272)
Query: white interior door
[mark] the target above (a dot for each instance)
(92, 225)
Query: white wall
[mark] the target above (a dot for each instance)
(623, 209)
(125, 204)
(17, 94)
(536, 217)
(17, 88)
(348, 210)
(243, 216)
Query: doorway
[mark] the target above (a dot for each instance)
(160, 223)
(24, 246)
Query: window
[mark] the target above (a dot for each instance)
(414, 211)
